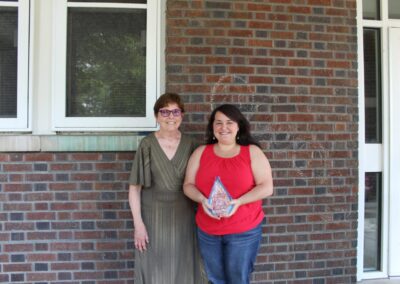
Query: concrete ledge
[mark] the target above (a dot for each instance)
(69, 143)
(19, 143)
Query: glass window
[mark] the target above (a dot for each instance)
(372, 86)
(106, 62)
(394, 9)
(104, 79)
(14, 49)
(371, 9)
(372, 221)
(8, 61)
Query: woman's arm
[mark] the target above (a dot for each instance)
(141, 238)
(263, 180)
(262, 174)
(189, 187)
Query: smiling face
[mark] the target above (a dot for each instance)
(225, 129)
(173, 120)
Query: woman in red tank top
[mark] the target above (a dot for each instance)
(234, 171)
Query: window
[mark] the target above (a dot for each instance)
(372, 86)
(371, 9)
(394, 9)
(372, 221)
(14, 39)
(105, 64)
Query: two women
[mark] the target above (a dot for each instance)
(164, 217)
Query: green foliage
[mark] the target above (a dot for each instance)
(107, 63)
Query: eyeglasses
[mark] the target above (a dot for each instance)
(166, 112)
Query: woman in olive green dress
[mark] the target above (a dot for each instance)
(163, 216)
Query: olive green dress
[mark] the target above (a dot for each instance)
(171, 257)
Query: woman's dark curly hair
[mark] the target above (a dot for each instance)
(243, 136)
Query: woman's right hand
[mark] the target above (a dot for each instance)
(207, 208)
(141, 237)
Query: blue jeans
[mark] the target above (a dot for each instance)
(229, 259)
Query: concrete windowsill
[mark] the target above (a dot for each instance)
(69, 143)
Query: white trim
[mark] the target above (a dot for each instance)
(9, 4)
(374, 160)
(394, 182)
(385, 147)
(31, 43)
(161, 31)
(388, 154)
(63, 123)
(107, 5)
(361, 145)
(20, 123)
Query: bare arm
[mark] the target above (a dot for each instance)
(262, 176)
(263, 180)
(141, 238)
(189, 187)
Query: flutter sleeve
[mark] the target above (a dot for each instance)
(140, 173)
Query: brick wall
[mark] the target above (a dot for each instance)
(64, 218)
(290, 65)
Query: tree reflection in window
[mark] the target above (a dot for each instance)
(106, 62)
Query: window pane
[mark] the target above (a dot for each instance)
(394, 9)
(106, 62)
(8, 61)
(371, 9)
(372, 222)
(372, 86)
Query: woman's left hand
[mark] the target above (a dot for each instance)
(236, 204)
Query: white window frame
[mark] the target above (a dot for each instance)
(379, 157)
(63, 123)
(22, 121)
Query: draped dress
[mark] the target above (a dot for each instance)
(172, 256)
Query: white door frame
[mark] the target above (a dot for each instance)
(383, 157)
(394, 180)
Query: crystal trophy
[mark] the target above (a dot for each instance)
(219, 199)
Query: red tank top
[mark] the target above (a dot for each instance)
(236, 175)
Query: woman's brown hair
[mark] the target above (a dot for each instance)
(166, 99)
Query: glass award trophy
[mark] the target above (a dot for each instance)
(219, 199)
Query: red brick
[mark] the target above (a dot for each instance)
(4, 157)
(36, 157)
(17, 167)
(109, 246)
(41, 257)
(40, 215)
(319, 2)
(260, 43)
(300, 9)
(84, 177)
(17, 267)
(17, 248)
(9, 187)
(41, 276)
(39, 177)
(65, 266)
(85, 157)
